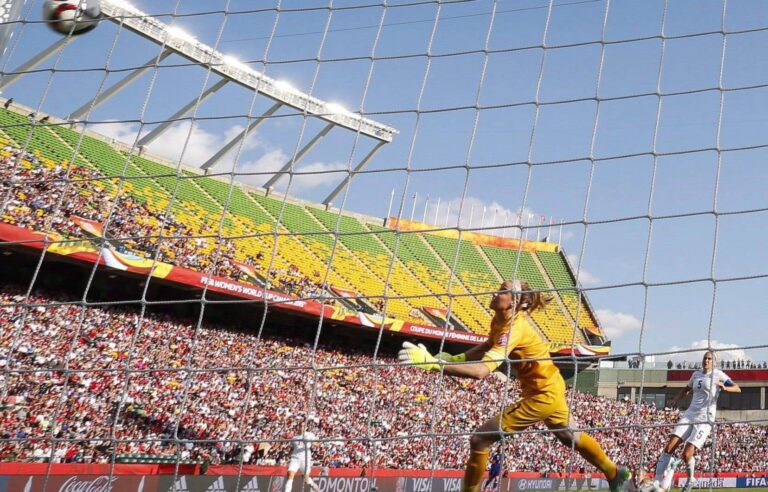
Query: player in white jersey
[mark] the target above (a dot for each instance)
(301, 459)
(695, 424)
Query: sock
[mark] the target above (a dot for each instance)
(661, 466)
(288, 485)
(473, 475)
(591, 451)
(669, 475)
(689, 467)
(308, 480)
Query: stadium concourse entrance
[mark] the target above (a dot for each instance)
(55, 274)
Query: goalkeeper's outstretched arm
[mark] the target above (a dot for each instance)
(478, 362)
(478, 351)
(460, 365)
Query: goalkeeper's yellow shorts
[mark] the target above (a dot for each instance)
(549, 406)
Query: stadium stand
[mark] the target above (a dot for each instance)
(178, 216)
(181, 213)
(555, 324)
(558, 271)
(184, 189)
(373, 252)
(346, 270)
(262, 397)
(413, 252)
(19, 129)
(469, 267)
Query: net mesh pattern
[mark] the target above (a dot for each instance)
(188, 284)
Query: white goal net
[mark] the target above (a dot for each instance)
(220, 220)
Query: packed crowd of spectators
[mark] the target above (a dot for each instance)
(293, 281)
(107, 382)
(110, 381)
(45, 197)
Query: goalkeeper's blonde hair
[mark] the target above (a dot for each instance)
(526, 300)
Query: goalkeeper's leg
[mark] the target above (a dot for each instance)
(591, 451)
(516, 417)
(479, 448)
(586, 446)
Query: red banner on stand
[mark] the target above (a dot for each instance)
(87, 252)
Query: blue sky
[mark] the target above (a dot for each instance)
(473, 111)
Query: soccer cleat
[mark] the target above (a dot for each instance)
(623, 475)
(690, 484)
(648, 486)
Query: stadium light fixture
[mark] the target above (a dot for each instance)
(10, 12)
(234, 62)
(178, 33)
(5, 11)
(123, 4)
(338, 109)
(285, 86)
(126, 15)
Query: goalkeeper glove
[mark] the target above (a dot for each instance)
(418, 356)
(446, 357)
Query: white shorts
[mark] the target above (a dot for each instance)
(301, 463)
(690, 432)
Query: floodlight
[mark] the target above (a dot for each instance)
(285, 86)
(335, 108)
(178, 33)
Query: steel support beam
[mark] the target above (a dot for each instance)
(10, 13)
(161, 128)
(133, 19)
(299, 155)
(329, 199)
(33, 62)
(118, 86)
(236, 141)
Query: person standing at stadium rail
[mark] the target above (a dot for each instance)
(543, 387)
(301, 460)
(494, 475)
(695, 424)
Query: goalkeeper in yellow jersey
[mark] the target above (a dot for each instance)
(543, 388)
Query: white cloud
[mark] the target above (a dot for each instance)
(199, 145)
(193, 149)
(725, 354)
(476, 213)
(270, 161)
(321, 176)
(259, 171)
(124, 132)
(615, 324)
(585, 277)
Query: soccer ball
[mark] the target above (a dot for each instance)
(72, 16)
